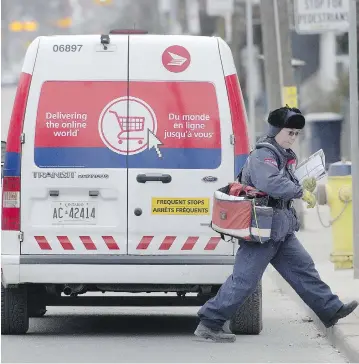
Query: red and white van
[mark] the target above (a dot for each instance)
(115, 147)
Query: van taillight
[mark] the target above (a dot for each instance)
(11, 203)
(11, 183)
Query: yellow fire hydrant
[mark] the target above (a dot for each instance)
(337, 194)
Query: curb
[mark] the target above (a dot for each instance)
(335, 335)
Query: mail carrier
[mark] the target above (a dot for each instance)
(115, 147)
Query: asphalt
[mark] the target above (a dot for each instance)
(163, 334)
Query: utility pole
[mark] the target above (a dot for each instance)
(279, 76)
(173, 17)
(238, 40)
(354, 130)
(250, 69)
(221, 27)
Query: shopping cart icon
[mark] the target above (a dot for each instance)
(134, 126)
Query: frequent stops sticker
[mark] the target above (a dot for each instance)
(180, 206)
(172, 125)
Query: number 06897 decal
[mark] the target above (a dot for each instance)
(67, 47)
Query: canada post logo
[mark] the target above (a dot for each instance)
(176, 58)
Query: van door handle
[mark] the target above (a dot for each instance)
(164, 178)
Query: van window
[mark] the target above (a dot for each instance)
(170, 125)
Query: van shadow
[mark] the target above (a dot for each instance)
(103, 325)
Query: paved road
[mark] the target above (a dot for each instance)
(106, 334)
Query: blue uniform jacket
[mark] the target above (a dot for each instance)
(269, 168)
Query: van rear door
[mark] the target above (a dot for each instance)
(179, 145)
(74, 187)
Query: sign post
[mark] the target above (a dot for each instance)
(354, 130)
(250, 70)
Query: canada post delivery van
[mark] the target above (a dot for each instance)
(115, 148)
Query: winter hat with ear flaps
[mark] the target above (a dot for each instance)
(284, 117)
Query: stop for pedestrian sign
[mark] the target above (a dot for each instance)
(317, 16)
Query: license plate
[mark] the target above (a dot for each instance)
(74, 212)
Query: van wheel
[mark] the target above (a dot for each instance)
(14, 315)
(248, 318)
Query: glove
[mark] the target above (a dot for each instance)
(309, 184)
(310, 198)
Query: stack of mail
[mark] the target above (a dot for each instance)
(314, 166)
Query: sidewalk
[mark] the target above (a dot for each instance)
(344, 336)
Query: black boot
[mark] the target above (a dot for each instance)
(205, 332)
(344, 311)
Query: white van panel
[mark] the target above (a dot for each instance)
(31, 53)
(229, 68)
(180, 82)
(10, 269)
(81, 57)
(10, 242)
(73, 198)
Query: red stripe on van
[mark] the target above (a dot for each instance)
(144, 243)
(65, 243)
(111, 243)
(18, 113)
(88, 243)
(43, 243)
(238, 115)
(212, 244)
(190, 243)
(11, 196)
(167, 243)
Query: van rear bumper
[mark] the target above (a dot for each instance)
(116, 269)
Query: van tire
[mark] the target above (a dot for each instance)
(14, 314)
(248, 318)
